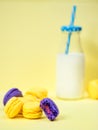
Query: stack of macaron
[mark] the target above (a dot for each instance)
(31, 105)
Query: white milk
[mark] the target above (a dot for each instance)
(70, 75)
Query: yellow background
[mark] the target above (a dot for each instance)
(30, 37)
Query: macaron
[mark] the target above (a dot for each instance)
(50, 108)
(93, 89)
(39, 93)
(13, 107)
(32, 110)
(28, 98)
(13, 92)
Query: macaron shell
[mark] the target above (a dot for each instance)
(13, 107)
(28, 98)
(32, 110)
(32, 115)
(11, 93)
(32, 106)
(37, 92)
(50, 108)
(31, 98)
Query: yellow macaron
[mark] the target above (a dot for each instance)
(32, 110)
(93, 89)
(39, 93)
(13, 107)
(28, 98)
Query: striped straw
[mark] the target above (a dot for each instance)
(71, 24)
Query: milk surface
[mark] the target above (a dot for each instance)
(70, 75)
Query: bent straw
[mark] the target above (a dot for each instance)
(71, 24)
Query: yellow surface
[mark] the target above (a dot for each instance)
(74, 115)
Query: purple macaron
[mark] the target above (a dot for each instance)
(13, 92)
(50, 108)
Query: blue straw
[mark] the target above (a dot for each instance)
(71, 24)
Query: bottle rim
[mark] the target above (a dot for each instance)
(71, 28)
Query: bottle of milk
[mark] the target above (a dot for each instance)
(70, 65)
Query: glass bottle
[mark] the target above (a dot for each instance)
(75, 41)
(70, 65)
